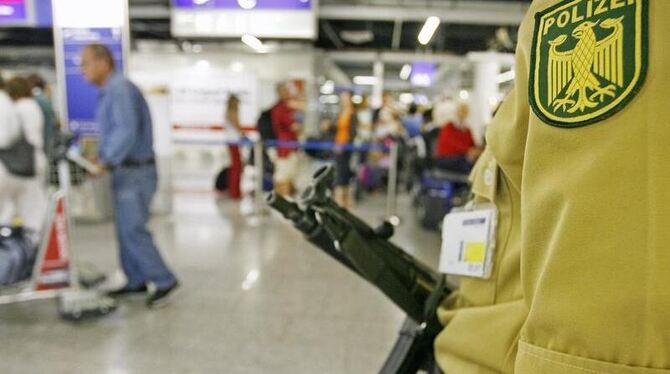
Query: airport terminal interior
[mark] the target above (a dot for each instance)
(388, 103)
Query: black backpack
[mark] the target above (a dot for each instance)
(221, 180)
(264, 125)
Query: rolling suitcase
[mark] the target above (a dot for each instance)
(17, 255)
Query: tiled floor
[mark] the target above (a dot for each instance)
(255, 299)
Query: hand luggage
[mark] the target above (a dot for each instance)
(221, 181)
(17, 255)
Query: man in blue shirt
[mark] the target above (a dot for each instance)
(126, 151)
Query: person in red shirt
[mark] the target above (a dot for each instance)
(456, 150)
(286, 129)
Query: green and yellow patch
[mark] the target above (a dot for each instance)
(588, 61)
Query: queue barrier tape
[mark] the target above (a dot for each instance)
(309, 145)
(314, 145)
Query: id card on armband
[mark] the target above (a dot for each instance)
(468, 242)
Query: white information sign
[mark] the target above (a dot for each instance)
(198, 100)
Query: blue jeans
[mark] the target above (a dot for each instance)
(133, 190)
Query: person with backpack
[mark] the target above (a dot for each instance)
(286, 129)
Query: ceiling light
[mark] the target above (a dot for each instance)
(428, 30)
(247, 4)
(363, 80)
(328, 88)
(6, 10)
(406, 98)
(422, 80)
(464, 95)
(405, 72)
(253, 43)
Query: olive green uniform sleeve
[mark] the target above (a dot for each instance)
(484, 317)
(594, 187)
(582, 167)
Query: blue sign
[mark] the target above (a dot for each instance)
(244, 4)
(26, 13)
(423, 74)
(13, 12)
(81, 96)
(43, 13)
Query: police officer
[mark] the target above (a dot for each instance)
(580, 146)
(126, 151)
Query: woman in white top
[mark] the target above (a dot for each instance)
(9, 133)
(26, 198)
(9, 123)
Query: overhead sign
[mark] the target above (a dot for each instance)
(13, 12)
(423, 74)
(244, 4)
(81, 96)
(43, 13)
(234, 18)
(78, 23)
(198, 102)
(25, 13)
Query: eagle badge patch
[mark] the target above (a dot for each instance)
(588, 61)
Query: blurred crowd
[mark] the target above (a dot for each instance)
(28, 125)
(434, 136)
(429, 136)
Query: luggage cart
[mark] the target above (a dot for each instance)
(55, 274)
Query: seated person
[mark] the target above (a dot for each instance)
(456, 150)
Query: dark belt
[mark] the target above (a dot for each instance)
(137, 164)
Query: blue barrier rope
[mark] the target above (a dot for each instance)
(326, 146)
(310, 145)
